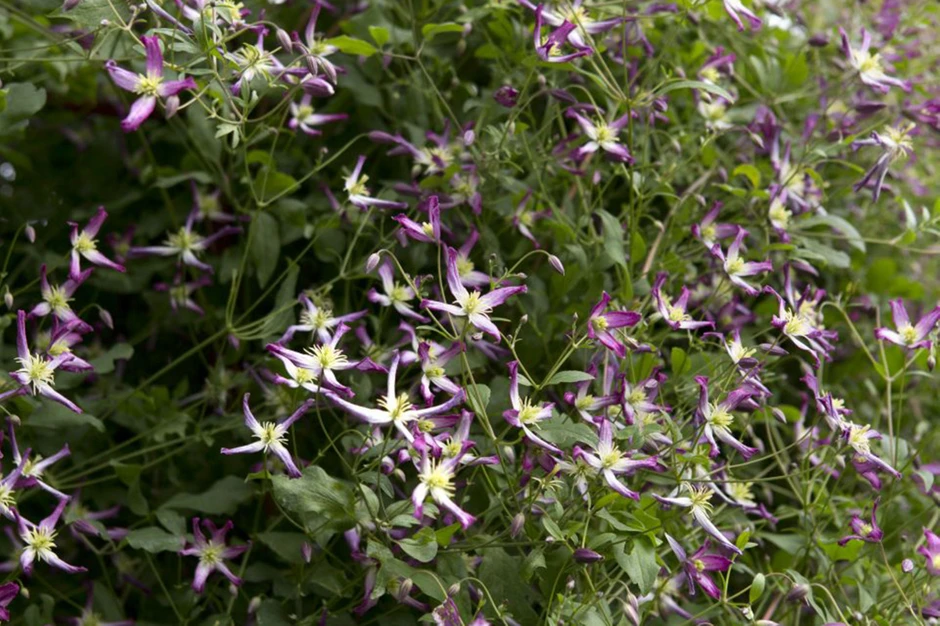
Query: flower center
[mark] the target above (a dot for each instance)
(796, 324)
(720, 418)
(211, 553)
(41, 541)
(400, 293)
(779, 214)
(304, 376)
(734, 265)
(600, 323)
(610, 458)
(38, 371)
(858, 438)
(636, 397)
(148, 85)
(438, 477)
(908, 333)
(710, 75)
(184, 240)
(328, 357)
(57, 299)
(742, 493)
(464, 265)
(358, 187)
(700, 497)
(583, 403)
(7, 498)
(472, 304)
(529, 413)
(434, 371)
(271, 435)
(304, 111)
(865, 529)
(399, 409)
(713, 111)
(699, 565)
(604, 134)
(868, 63)
(84, 243)
(677, 314)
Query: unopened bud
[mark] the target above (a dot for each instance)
(106, 318)
(253, 605)
(819, 40)
(8, 298)
(306, 551)
(506, 96)
(469, 137)
(932, 362)
(329, 70)
(68, 5)
(585, 555)
(798, 592)
(557, 264)
(14, 420)
(524, 319)
(907, 566)
(284, 39)
(312, 64)
(404, 589)
(30, 233)
(518, 521)
(453, 590)
(373, 262)
(632, 608)
(171, 106)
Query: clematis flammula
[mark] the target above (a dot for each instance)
(602, 135)
(272, 436)
(187, 245)
(396, 295)
(931, 552)
(302, 116)
(870, 67)
(909, 335)
(896, 146)
(427, 232)
(526, 415)
(436, 478)
(698, 501)
(675, 315)
(323, 359)
(359, 194)
(212, 552)
(718, 417)
(697, 566)
(610, 462)
(39, 542)
(736, 268)
(56, 298)
(37, 373)
(601, 323)
(85, 244)
(394, 408)
(735, 9)
(149, 86)
(864, 531)
(473, 305)
(317, 319)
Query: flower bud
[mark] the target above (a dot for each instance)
(404, 589)
(518, 521)
(14, 420)
(557, 264)
(284, 39)
(819, 40)
(373, 262)
(453, 590)
(632, 608)
(306, 551)
(106, 318)
(253, 605)
(585, 555)
(506, 96)
(171, 106)
(469, 137)
(932, 362)
(8, 298)
(68, 5)
(312, 64)
(907, 566)
(30, 233)
(798, 592)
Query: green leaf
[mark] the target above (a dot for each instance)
(379, 34)
(270, 613)
(422, 546)
(640, 564)
(172, 521)
(429, 31)
(153, 539)
(351, 45)
(265, 245)
(222, 498)
(757, 588)
(502, 576)
(270, 184)
(317, 492)
(286, 545)
(751, 172)
(852, 235)
(613, 238)
(444, 535)
(89, 13)
(104, 364)
(566, 434)
(23, 100)
(570, 376)
(53, 415)
(697, 84)
(681, 363)
(478, 397)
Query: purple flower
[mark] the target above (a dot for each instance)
(708, 231)
(436, 478)
(586, 556)
(909, 336)
(864, 531)
(698, 501)
(315, 49)
(7, 488)
(471, 304)
(319, 320)
(736, 267)
(394, 408)
(600, 324)
(303, 117)
(37, 373)
(85, 244)
(149, 86)
(610, 462)
(574, 15)
(212, 552)
(181, 292)
(427, 232)
(675, 315)
(896, 146)
(31, 469)
(434, 359)
(272, 436)
(56, 298)
(719, 416)
(396, 295)
(736, 7)
(800, 327)
(526, 415)
(931, 552)
(359, 194)
(870, 67)
(506, 96)
(187, 245)
(549, 49)
(39, 542)
(859, 438)
(602, 135)
(8, 591)
(639, 399)
(524, 219)
(697, 566)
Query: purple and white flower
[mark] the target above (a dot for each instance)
(907, 335)
(212, 553)
(39, 542)
(272, 436)
(611, 462)
(526, 415)
(85, 244)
